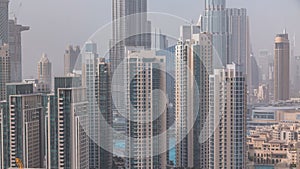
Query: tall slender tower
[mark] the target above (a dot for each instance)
(3, 21)
(70, 58)
(89, 73)
(15, 49)
(227, 118)
(282, 67)
(214, 21)
(67, 125)
(238, 40)
(4, 69)
(45, 71)
(105, 114)
(146, 113)
(193, 66)
(130, 28)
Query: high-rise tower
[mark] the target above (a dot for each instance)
(146, 111)
(70, 59)
(3, 21)
(130, 28)
(67, 125)
(214, 21)
(227, 118)
(45, 71)
(4, 69)
(15, 50)
(193, 66)
(238, 39)
(105, 113)
(282, 67)
(89, 73)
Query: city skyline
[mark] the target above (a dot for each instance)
(133, 88)
(56, 45)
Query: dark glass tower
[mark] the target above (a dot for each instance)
(3, 21)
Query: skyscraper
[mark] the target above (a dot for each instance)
(44, 68)
(227, 118)
(15, 50)
(193, 65)
(12, 89)
(237, 28)
(68, 142)
(70, 59)
(89, 74)
(159, 40)
(4, 22)
(282, 67)
(146, 110)
(130, 28)
(26, 132)
(104, 104)
(214, 21)
(230, 30)
(4, 69)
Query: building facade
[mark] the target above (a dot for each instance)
(227, 118)
(70, 59)
(130, 28)
(67, 125)
(4, 69)
(282, 67)
(89, 82)
(276, 145)
(26, 133)
(146, 144)
(193, 66)
(15, 50)
(104, 101)
(44, 68)
(4, 22)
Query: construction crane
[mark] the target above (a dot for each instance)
(19, 163)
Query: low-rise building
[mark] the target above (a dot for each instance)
(275, 145)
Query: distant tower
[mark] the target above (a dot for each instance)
(238, 46)
(70, 57)
(89, 73)
(104, 104)
(282, 67)
(214, 22)
(15, 50)
(44, 71)
(130, 28)
(3, 21)
(4, 69)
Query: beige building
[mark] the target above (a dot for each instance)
(275, 145)
(193, 66)
(282, 67)
(227, 118)
(146, 113)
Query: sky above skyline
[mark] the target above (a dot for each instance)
(58, 23)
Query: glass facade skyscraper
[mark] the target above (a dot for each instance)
(4, 22)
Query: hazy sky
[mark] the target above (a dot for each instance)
(57, 23)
